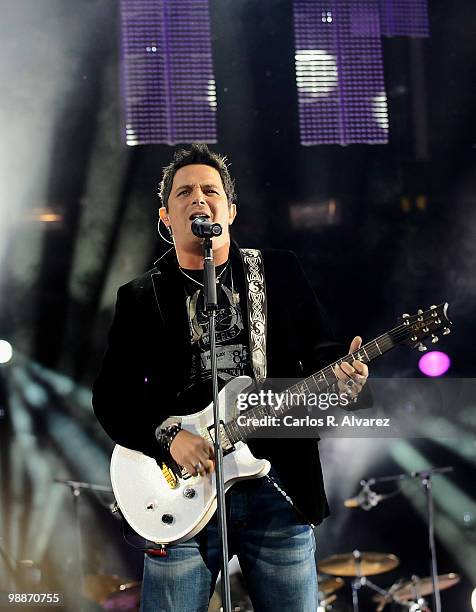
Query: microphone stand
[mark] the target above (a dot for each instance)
(211, 305)
(425, 477)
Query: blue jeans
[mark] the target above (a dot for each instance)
(274, 546)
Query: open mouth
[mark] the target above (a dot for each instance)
(199, 214)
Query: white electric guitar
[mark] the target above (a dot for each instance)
(166, 507)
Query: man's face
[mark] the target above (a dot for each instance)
(197, 189)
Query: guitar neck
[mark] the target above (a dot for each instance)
(316, 383)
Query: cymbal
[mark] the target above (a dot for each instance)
(413, 589)
(98, 587)
(358, 563)
(329, 585)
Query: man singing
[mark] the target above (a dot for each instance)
(157, 364)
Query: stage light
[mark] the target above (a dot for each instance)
(44, 215)
(316, 72)
(379, 110)
(434, 363)
(159, 43)
(6, 351)
(335, 107)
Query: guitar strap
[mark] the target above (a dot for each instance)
(257, 324)
(255, 287)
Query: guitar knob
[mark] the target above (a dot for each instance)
(168, 519)
(189, 492)
(446, 331)
(434, 338)
(422, 348)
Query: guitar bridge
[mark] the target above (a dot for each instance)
(169, 476)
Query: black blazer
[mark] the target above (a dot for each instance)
(148, 355)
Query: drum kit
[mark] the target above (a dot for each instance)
(404, 594)
(115, 593)
(409, 594)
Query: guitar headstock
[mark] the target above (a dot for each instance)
(413, 329)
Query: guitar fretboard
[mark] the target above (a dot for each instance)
(316, 383)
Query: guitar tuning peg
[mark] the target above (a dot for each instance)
(434, 338)
(446, 331)
(422, 348)
(405, 315)
(432, 307)
(420, 311)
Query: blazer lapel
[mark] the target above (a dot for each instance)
(170, 300)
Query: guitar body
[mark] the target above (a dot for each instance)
(163, 514)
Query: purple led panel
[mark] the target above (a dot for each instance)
(404, 18)
(339, 72)
(167, 69)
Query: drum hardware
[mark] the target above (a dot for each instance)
(425, 477)
(409, 594)
(419, 587)
(326, 589)
(326, 604)
(359, 565)
(328, 585)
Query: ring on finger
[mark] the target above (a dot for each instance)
(352, 389)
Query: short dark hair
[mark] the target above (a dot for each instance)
(198, 153)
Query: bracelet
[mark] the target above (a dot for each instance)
(167, 436)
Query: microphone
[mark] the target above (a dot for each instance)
(366, 499)
(203, 228)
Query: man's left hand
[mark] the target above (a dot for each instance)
(352, 377)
